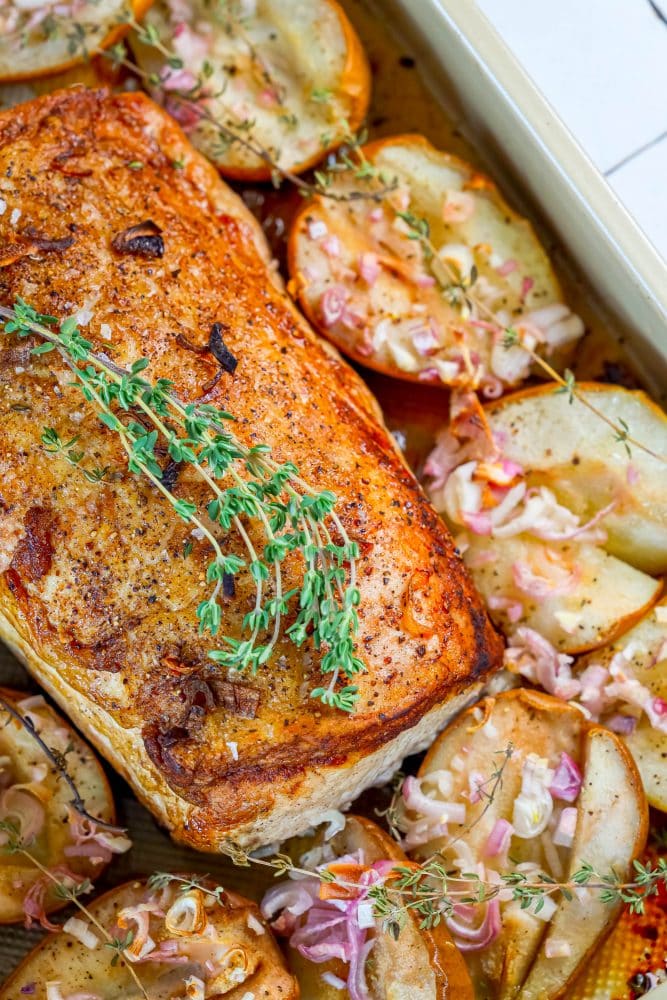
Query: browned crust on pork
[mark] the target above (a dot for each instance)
(95, 580)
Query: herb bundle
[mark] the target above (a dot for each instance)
(245, 484)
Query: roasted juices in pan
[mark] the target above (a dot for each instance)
(118, 222)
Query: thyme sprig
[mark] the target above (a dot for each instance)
(432, 889)
(239, 133)
(72, 894)
(54, 445)
(487, 790)
(58, 761)
(294, 518)
(160, 880)
(459, 291)
(235, 131)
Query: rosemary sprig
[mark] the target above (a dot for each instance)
(294, 518)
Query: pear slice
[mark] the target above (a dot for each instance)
(646, 644)
(567, 447)
(419, 965)
(527, 722)
(29, 50)
(230, 928)
(472, 749)
(287, 77)
(23, 760)
(397, 319)
(604, 597)
(612, 824)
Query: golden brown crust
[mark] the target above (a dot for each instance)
(105, 598)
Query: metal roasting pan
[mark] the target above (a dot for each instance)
(536, 159)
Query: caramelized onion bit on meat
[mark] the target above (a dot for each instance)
(189, 346)
(48, 243)
(220, 351)
(160, 748)
(30, 243)
(241, 700)
(198, 699)
(142, 240)
(170, 474)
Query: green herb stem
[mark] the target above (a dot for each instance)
(290, 513)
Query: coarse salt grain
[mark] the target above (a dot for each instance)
(15, 216)
(233, 749)
(331, 980)
(254, 924)
(317, 229)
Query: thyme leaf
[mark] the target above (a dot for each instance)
(244, 484)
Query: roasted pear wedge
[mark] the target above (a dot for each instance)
(35, 810)
(607, 815)
(639, 658)
(576, 595)
(36, 40)
(185, 943)
(567, 447)
(286, 76)
(524, 783)
(418, 964)
(561, 519)
(368, 285)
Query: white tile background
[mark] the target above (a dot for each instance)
(603, 66)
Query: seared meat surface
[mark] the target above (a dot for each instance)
(112, 215)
